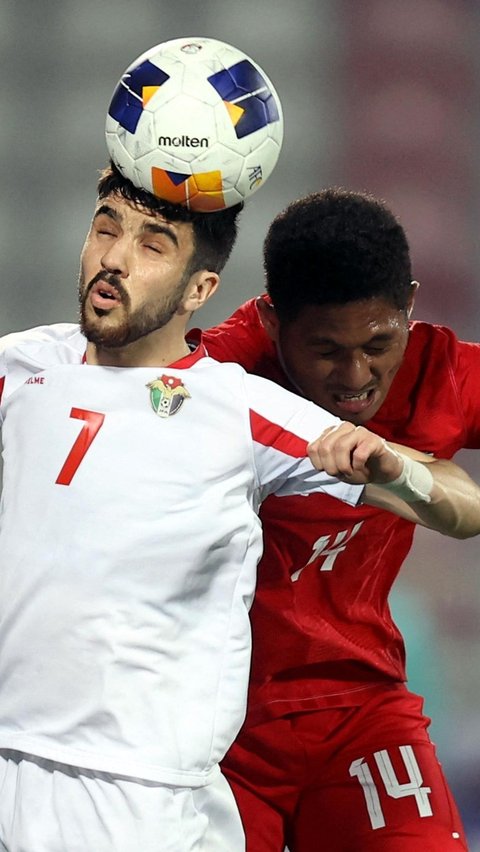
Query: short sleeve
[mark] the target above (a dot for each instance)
(282, 425)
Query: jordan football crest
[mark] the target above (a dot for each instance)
(167, 394)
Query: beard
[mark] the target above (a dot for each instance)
(124, 326)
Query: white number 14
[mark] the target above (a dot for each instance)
(413, 787)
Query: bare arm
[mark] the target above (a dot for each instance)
(438, 494)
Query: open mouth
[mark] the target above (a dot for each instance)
(104, 296)
(355, 402)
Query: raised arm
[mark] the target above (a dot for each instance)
(435, 493)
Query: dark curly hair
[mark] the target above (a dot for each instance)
(333, 247)
(214, 233)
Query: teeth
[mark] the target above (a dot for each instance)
(344, 397)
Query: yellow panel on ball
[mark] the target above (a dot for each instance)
(208, 186)
(235, 112)
(202, 191)
(147, 93)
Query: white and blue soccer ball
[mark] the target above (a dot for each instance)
(197, 122)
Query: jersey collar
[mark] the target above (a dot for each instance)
(197, 351)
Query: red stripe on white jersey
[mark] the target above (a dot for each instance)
(2, 382)
(272, 435)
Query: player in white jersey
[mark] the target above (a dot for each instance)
(129, 539)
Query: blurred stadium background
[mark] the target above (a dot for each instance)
(379, 95)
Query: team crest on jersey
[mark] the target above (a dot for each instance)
(167, 394)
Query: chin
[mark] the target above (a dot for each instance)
(109, 337)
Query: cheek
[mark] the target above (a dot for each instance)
(140, 287)
(89, 258)
(311, 373)
(389, 369)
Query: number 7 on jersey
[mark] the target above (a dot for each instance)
(93, 421)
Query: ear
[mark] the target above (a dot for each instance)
(200, 288)
(269, 318)
(414, 285)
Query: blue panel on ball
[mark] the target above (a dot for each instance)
(243, 85)
(177, 178)
(126, 105)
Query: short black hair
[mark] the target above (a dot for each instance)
(214, 233)
(333, 247)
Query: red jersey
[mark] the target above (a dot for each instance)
(322, 627)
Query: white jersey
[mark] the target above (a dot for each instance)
(129, 542)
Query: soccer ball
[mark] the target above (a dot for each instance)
(196, 122)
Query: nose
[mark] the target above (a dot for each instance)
(115, 258)
(354, 372)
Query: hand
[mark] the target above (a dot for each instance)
(354, 454)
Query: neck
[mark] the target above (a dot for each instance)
(285, 370)
(153, 350)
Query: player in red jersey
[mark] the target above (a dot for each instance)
(335, 753)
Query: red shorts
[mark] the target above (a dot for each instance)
(346, 779)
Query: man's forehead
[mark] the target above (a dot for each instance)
(122, 209)
(364, 317)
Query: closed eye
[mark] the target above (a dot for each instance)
(376, 350)
(154, 247)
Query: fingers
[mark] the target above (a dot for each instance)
(352, 453)
(333, 450)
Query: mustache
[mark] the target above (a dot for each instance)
(108, 278)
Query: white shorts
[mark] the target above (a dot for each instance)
(52, 807)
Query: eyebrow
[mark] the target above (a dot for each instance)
(147, 227)
(154, 228)
(329, 341)
(106, 210)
